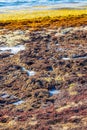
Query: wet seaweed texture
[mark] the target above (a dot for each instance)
(44, 85)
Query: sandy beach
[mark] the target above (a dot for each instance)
(43, 70)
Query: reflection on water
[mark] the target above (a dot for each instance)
(53, 91)
(18, 102)
(29, 72)
(4, 95)
(66, 58)
(11, 99)
(75, 57)
(13, 50)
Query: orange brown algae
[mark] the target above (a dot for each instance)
(50, 23)
(39, 19)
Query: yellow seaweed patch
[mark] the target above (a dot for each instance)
(72, 89)
(35, 19)
(26, 14)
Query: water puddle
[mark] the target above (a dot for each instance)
(29, 72)
(13, 97)
(4, 95)
(18, 102)
(85, 57)
(64, 58)
(10, 98)
(79, 57)
(13, 50)
(53, 91)
(57, 44)
(75, 57)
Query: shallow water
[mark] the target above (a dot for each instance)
(29, 72)
(18, 102)
(53, 91)
(79, 57)
(4, 95)
(13, 50)
(64, 58)
(32, 3)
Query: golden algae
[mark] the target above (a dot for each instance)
(46, 18)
